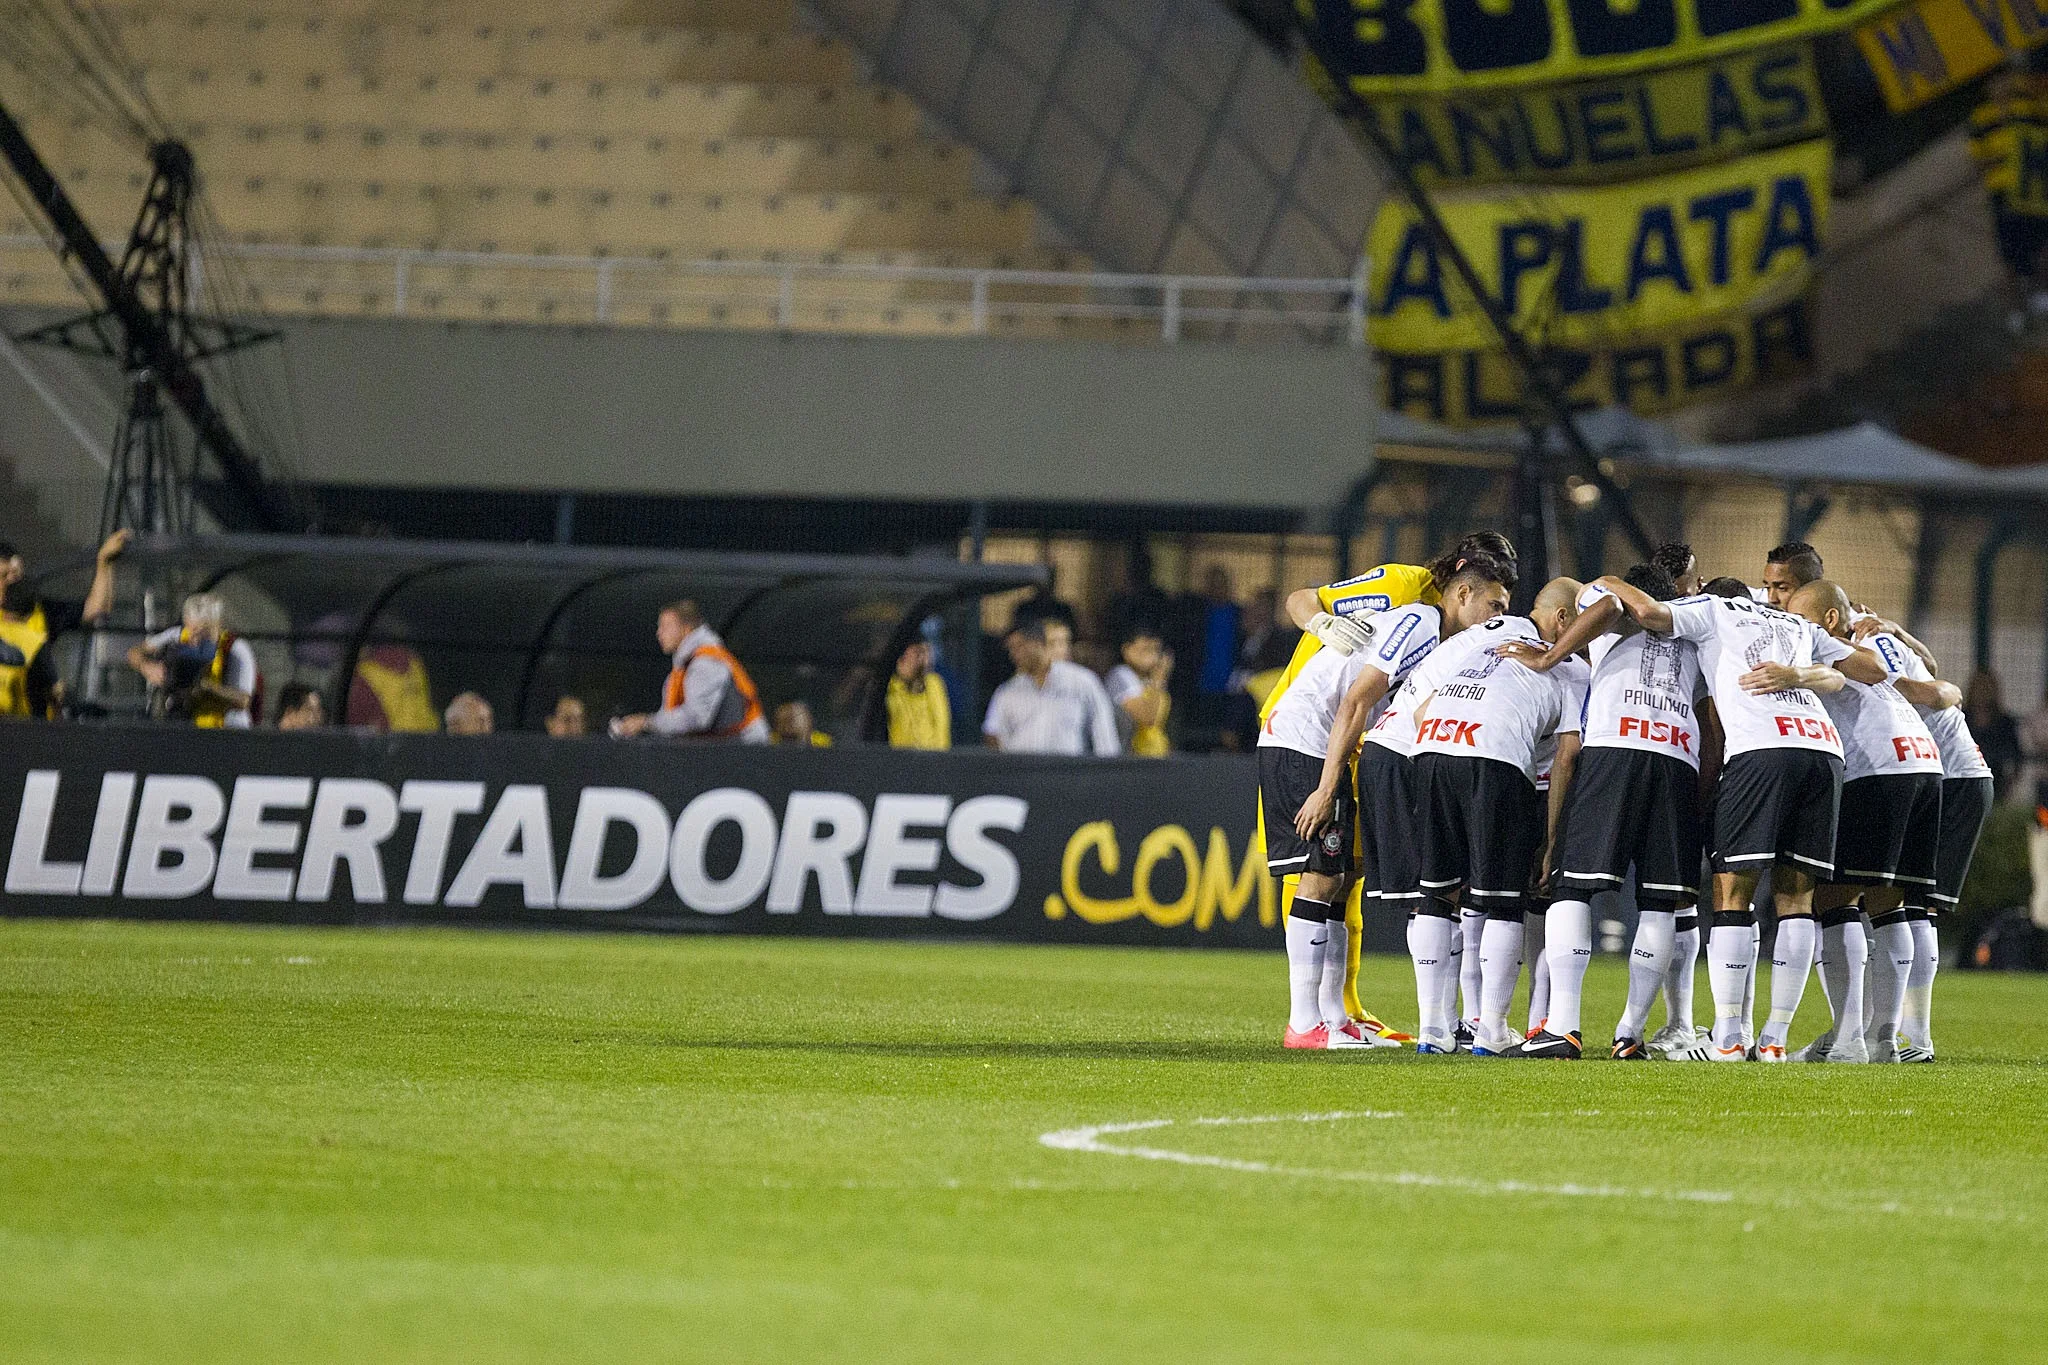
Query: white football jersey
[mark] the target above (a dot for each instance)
(1643, 692)
(1882, 733)
(1395, 727)
(1960, 756)
(1493, 707)
(1733, 636)
(1401, 639)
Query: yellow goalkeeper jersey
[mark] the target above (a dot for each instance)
(1380, 589)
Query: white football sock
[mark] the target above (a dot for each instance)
(1430, 940)
(1471, 935)
(1647, 960)
(1892, 959)
(1756, 957)
(1568, 948)
(1679, 974)
(1454, 968)
(1335, 960)
(1500, 966)
(1791, 964)
(1535, 942)
(1731, 962)
(1843, 949)
(1917, 1018)
(1305, 941)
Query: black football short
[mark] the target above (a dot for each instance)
(1630, 808)
(1778, 806)
(1481, 824)
(1890, 831)
(1287, 778)
(1965, 802)
(1387, 856)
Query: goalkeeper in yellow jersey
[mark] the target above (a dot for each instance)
(1333, 616)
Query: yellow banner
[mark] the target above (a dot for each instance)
(1710, 359)
(1385, 47)
(1643, 124)
(1598, 267)
(1930, 47)
(2009, 142)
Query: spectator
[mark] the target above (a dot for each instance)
(390, 692)
(708, 694)
(1221, 620)
(568, 719)
(28, 673)
(920, 715)
(1262, 657)
(795, 725)
(299, 707)
(1138, 687)
(468, 714)
(199, 671)
(1048, 706)
(1997, 735)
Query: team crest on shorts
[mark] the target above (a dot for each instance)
(1333, 841)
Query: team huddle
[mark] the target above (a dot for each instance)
(1489, 775)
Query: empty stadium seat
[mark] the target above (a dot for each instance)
(663, 131)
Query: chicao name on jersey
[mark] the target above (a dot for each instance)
(1492, 707)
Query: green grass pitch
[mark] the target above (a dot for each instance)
(293, 1144)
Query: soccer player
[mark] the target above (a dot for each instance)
(1633, 801)
(1325, 617)
(1478, 720)
(1306, 792)
(1787, 569)
(1477, 592)
(1965, 803)
(1889, 835)
(1780, 788)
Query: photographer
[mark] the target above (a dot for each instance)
(198, 672)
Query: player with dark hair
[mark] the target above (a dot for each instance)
(1780, 788)
(1787, 569)
(1387, 867)
(1325, 616)
(1478, 719)
(1675, 559)
(1633, 802)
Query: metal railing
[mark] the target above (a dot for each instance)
(794, 294)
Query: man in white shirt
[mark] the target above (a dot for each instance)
(1049, 706)
(1306, 786)
(1478, 721)
(1780, 790)
(1632, 803)
(1888, 844)
(1965, 803)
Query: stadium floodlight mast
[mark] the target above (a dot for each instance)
(145, 324)
(1550, 404)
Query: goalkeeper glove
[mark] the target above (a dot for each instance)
(1345, 634)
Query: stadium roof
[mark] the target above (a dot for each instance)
(1865, 454)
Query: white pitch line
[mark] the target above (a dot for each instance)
(1089, 1139)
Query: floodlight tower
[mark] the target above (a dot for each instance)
(145, 323)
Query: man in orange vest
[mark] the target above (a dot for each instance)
(708, 694)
